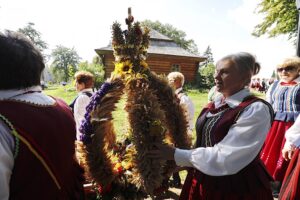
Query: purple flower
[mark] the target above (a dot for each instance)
(86, 139)
(86, 127)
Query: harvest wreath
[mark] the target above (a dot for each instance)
(122, 169)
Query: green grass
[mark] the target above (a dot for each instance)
(68, 93)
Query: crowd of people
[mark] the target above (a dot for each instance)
(284, 96)
(245, 148)
(261, 85)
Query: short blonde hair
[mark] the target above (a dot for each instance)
(176, 75)
(292, 61)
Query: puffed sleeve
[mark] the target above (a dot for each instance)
(268, 93)
(292, 135)
(6, 160)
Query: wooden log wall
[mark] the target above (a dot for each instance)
(161, 64)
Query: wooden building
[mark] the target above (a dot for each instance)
(164, 56)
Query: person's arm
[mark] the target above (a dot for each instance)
(268, 94)
(237, 149)
(190, 108)
(6, 160)
(292, 137)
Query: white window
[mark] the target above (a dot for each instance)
(175, 68)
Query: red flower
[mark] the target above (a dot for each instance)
(120, 170)
(104, 189)
(138, 31)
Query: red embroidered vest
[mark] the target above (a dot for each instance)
(229, 117)
(44, 166)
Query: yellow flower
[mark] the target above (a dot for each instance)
(126, 165)
(117, 165)
(118, 169)
(144, 64)
(123, 67)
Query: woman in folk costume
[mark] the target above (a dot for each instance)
(37, 132)
(84, 83)
(231, 130)
(291, 185)
(284, 96)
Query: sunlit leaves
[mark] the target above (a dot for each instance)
(280, 17)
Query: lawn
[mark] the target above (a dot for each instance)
(68, 93)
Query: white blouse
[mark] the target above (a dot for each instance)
(79, 109)
(188, 106)
(238, 148)
(292, 135)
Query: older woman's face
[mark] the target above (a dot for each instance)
(228, 78)
(288, 73)
(175, 83)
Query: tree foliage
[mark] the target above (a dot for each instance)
(63, 59)
(207, 74)
(72, 70)
(178, 36)
(209, 57)
(280, 17)
(96, 68)
(34, 36)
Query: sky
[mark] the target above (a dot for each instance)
(225, 26)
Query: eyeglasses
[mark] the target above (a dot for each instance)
(286, 69)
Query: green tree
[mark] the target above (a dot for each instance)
(34, 36)
(96, 68)
(177, 35)
(71, 70)
(280, 17)
(64, 57)
(207, 74)
(209, 57)
(273, 74)
(56, 74)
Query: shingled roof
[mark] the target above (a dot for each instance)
(159, 44)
